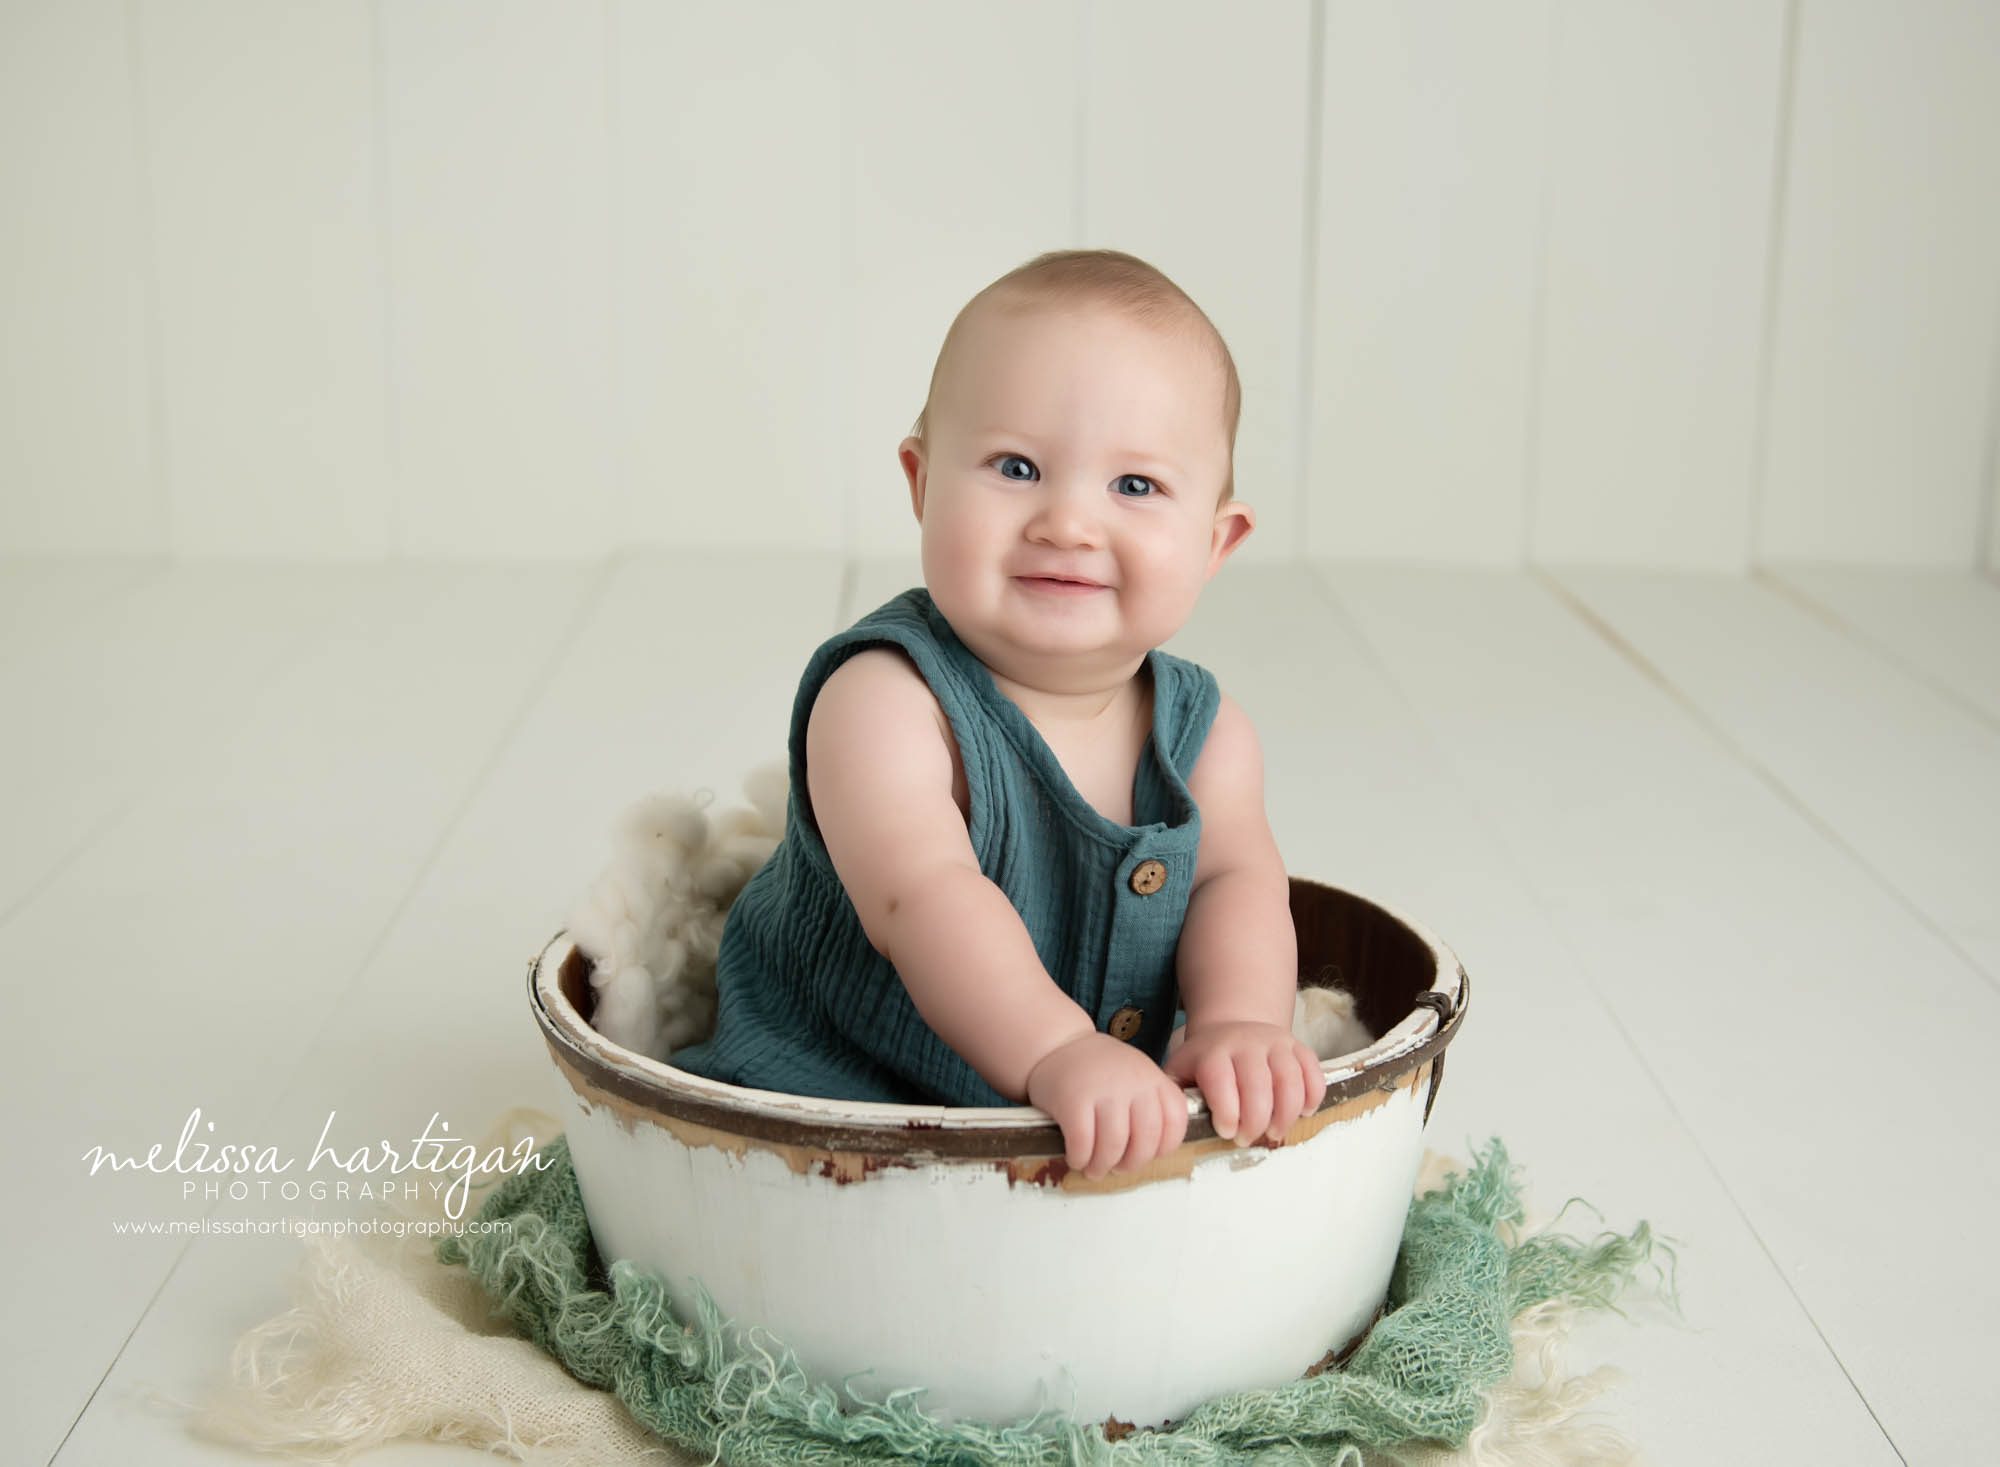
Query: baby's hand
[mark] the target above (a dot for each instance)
(1256, 1078)
(1117, 1109)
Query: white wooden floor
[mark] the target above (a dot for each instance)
(1721, 855)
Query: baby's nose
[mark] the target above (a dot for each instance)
(1068, 514)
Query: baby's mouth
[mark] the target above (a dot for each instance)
(1058, 583)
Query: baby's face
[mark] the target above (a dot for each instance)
(1078, 444)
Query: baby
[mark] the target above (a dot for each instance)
(1018, 832)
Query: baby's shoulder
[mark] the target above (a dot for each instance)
(877, 685)
(876, 698)
(881, 670)
(878, 744)
(1230, 766)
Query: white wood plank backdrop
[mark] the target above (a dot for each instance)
(1699, 285)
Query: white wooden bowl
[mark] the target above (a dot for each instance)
(953, 1248)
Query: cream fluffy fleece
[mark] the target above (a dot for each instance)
(653, 920)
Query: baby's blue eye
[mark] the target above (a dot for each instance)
(1001, 461)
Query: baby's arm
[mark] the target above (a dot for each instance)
(1238, 957)
(879, 774)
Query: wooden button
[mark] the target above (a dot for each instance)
(1125, 1023)
(1148, 877)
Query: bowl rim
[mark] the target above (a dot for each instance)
(892, 1129)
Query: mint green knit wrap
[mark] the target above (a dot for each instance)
(1422, 1373)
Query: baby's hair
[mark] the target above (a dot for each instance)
(1126, 284)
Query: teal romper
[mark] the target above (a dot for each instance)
(807, 1006)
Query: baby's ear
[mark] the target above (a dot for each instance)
(910, 453)
(1233, 524)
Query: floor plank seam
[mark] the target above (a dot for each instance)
(100, 602)
(125, 1344)
(154, 782)
(68, 859)
(1758, 769)
(1804, 600)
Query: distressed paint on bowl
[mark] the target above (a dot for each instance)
(953, 1248)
